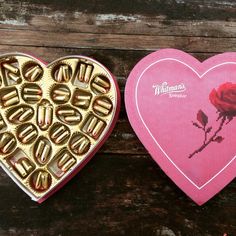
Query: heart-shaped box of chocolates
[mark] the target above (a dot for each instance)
(53, 118)
(183, 111)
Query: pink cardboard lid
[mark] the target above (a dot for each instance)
(183, 111)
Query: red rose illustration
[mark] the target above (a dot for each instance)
(224, 100)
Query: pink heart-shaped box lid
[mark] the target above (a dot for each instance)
(183, 111)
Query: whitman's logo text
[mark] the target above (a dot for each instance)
(171, 90)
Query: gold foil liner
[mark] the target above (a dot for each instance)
(52, 118)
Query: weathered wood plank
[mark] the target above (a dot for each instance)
(112, 41)
(185, 18)
(120, 24)
(118, 195)
(172, 9)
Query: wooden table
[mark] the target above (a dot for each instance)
(121, 191)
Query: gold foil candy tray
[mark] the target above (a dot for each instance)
(53, 118)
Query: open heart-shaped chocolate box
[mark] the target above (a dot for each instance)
(53, 118)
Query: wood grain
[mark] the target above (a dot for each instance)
(121, 191)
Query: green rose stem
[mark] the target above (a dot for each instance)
(211, 139)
